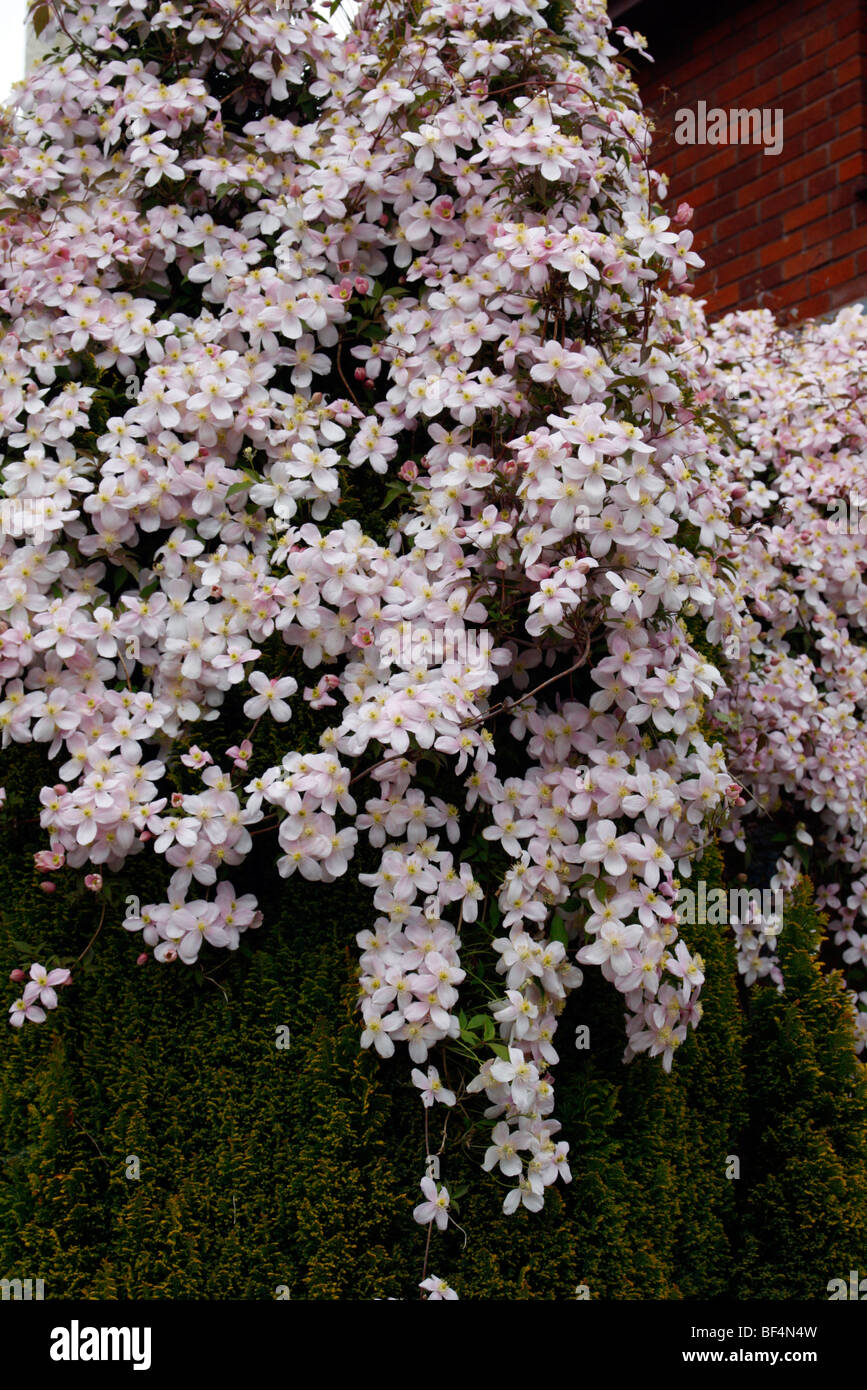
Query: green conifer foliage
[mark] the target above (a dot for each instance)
(297, 1168)
(805, 1181)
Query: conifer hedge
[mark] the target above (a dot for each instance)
(265, 1170)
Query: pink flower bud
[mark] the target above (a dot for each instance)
(47, 886)
(16, 976)
(683, 214)
(145, 836)
(362, 285)
(93, 882)
(360, 374)
(142, 959)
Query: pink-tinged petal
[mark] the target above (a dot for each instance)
(512, 1201)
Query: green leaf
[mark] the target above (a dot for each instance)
(501, 1051)
(397, 292)
(479, 1021)
(41, 16)
(558, 931)
(127, 563)
(154, 289)
(235, 488)
(392, 493)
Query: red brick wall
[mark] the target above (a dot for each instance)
(786, 232)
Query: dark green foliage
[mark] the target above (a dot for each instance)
(263, 1167)
(806, 1185)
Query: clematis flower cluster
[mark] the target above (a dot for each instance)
(39, 994)
(794, 481)
(241, 283)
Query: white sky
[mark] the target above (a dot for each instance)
(342, 17)
(12, 14)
